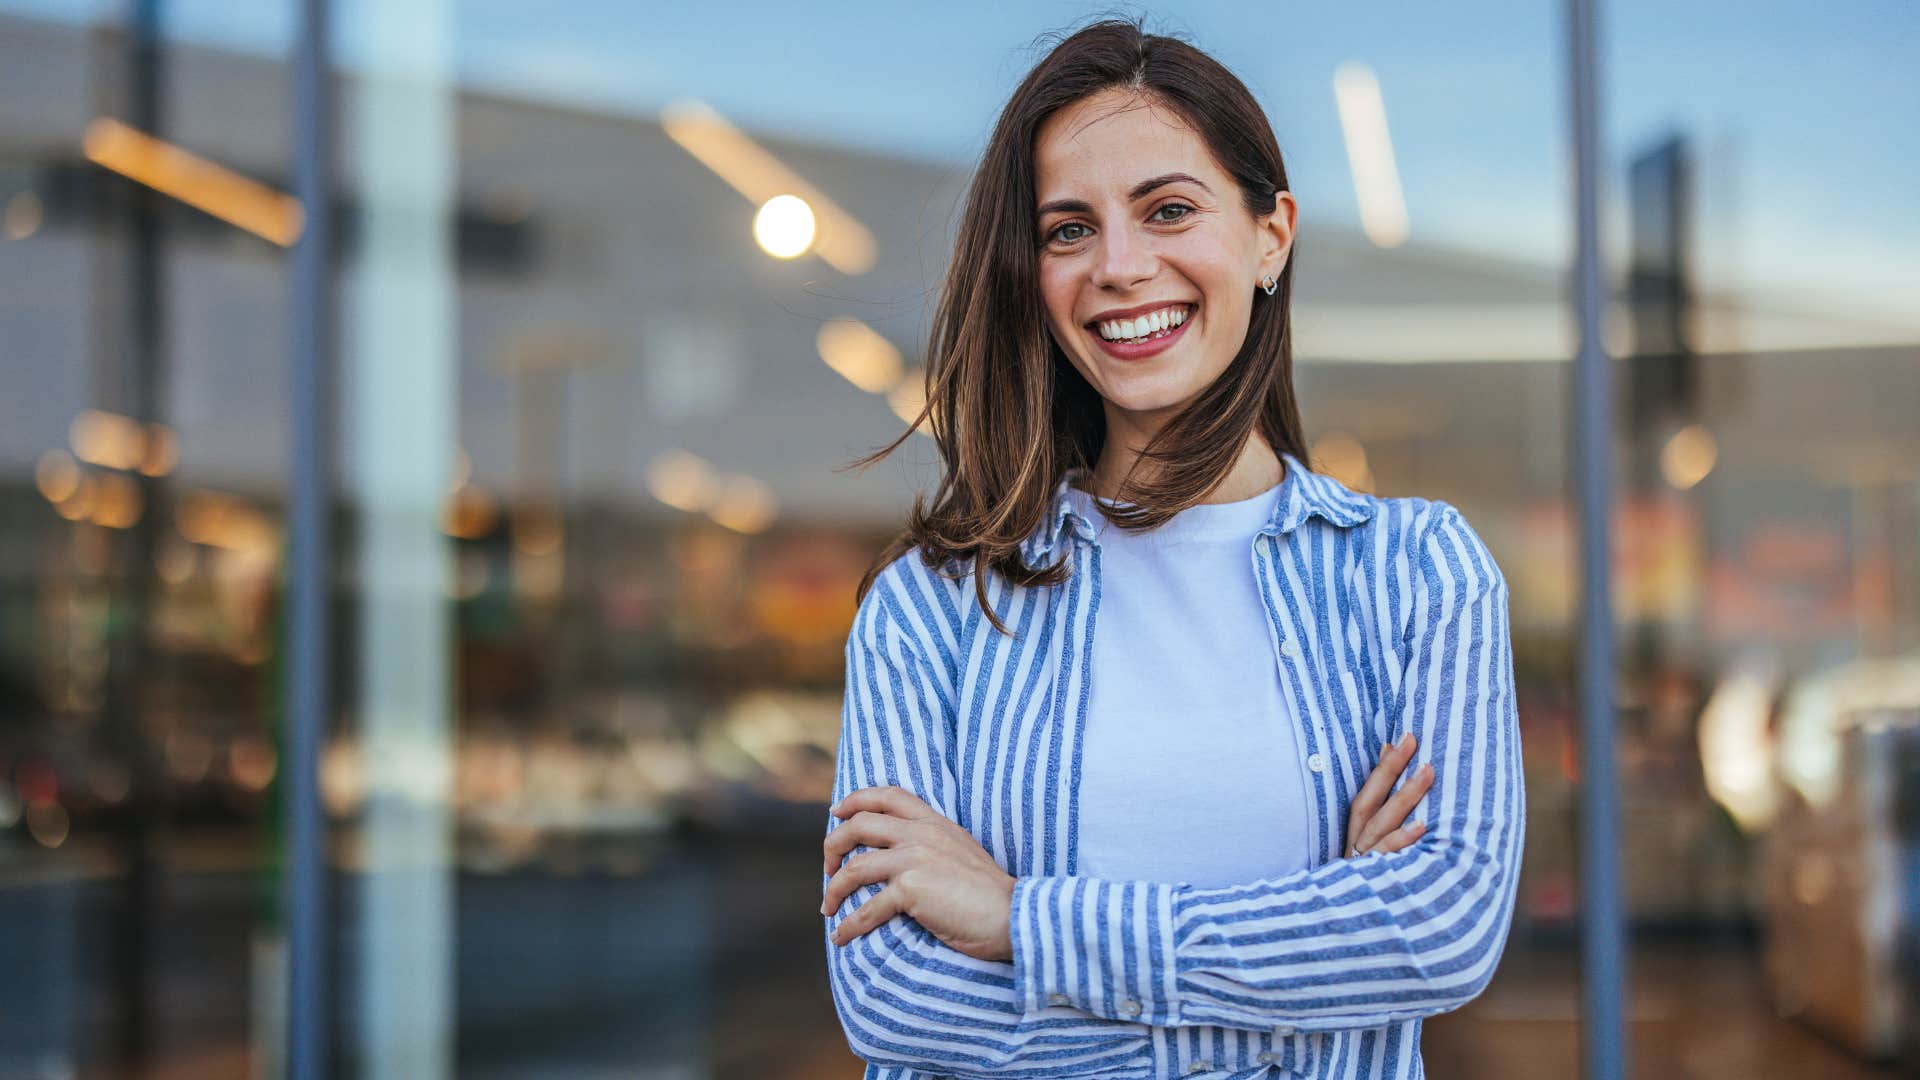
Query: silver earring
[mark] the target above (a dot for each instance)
(1269, 283)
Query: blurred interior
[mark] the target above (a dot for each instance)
(599, 556)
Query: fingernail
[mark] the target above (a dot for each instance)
(1404, 739)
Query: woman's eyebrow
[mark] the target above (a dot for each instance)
(1144, 187)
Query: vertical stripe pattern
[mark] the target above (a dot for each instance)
(1388, 615)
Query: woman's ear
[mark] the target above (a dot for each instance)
(1276, 234)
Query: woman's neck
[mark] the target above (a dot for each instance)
(1257, 470)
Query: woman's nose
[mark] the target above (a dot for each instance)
(1124, 262)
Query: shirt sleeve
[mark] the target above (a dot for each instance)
(1353, 943)
(906, 999)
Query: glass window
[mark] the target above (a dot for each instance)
(619, 292)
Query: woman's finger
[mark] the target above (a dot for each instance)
(874, 829)
(1367, 801)
(1399, 838)
(887, 799)
(882, 907)
(1374, 791)
(865, 870)
(1394, 840)
(1394, 814)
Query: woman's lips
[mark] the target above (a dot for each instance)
(1141, 350)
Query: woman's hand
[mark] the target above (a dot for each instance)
(940, 876)
(936, 872)
(1374, 821)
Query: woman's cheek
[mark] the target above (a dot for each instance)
(1058, 298)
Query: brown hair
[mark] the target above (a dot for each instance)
(1007, 409)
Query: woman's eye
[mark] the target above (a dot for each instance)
(1058, 232)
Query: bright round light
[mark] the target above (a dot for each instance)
(784, 226)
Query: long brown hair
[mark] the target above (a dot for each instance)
(1007, 409)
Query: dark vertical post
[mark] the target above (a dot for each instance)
(1602, 941)
(134, 385)
(309, 542)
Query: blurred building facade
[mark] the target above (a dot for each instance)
(628, 556)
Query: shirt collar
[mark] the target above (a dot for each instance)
(1303, 494)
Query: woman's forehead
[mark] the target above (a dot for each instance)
(1110, 117)
(1104, 147)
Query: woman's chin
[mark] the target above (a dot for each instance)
(1156, 398)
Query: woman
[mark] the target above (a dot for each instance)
(1127, 706)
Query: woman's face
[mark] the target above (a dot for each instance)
(1136, 219)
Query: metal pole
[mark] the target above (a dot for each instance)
(311, 555)
(1602, 938)
(132, 380)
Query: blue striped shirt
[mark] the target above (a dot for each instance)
(1387, 615)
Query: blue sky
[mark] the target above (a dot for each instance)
(1801, 111)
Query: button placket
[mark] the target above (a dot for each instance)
(1290, 690)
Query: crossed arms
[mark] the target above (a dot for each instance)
(1353, 943)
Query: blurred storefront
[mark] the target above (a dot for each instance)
(597, 559)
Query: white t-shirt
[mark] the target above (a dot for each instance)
(1191, 765)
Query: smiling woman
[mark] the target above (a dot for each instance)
(1186, 233)
(1127, 779)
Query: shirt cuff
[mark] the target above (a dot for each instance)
(1102, 947)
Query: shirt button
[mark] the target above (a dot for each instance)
(1130, 1007)
(1317, 762)
(1289, 648)
(1056, 999)
(1268, 1057)
(1281, 1031)
(1198, 1066)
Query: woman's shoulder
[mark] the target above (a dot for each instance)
(1432, 533)
(1413, 516)
(913, 596)
(1437, 537)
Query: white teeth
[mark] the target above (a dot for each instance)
(1154, 322)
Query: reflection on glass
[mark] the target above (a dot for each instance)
(600, 561)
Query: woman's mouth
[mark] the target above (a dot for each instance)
(1144, 335)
